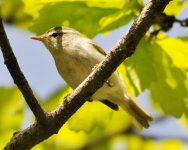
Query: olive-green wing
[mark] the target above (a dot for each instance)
(98, 48)
(106, 102)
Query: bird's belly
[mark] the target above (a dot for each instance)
(74, 71)
(112, 90)
(75, 76)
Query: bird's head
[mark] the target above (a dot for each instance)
(53, 38)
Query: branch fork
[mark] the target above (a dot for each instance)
(49, 123)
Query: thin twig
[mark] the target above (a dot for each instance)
(33, 135)
(19, 78)
(165, 23)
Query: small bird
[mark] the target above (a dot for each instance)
(76, 56)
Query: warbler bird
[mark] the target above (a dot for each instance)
(76, 56)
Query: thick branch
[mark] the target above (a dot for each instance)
(33, 135)
(19, 79)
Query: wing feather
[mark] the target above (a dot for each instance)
(98, 48)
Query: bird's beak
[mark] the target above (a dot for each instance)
(39, 38)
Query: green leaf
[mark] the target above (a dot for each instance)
(12, 11)
(56, 98)
(140, 68)
(12, 108)
(97, 115)
(174, 7)
(70, 14)
(65, 139)
(129, 11)
(164, 145)
(159, 68)
(102, 16)
(177, 74)
(91, 115)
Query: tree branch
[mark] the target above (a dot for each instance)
(19, 79)
(165, 23)
(36, 133)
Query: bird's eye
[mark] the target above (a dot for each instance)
(55, 34)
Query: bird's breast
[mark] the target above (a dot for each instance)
(74, 68)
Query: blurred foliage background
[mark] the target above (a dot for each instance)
(158, 66)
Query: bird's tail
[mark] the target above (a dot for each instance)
(136, 112)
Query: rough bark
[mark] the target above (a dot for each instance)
(49, 123)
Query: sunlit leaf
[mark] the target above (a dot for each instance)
(159, 68)
(179, 71)
(12, 112)
(102, 15)
(65, 139)
(91, 115)
(70, 14)
(175, 7)
(12, 11)
(57, 98)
